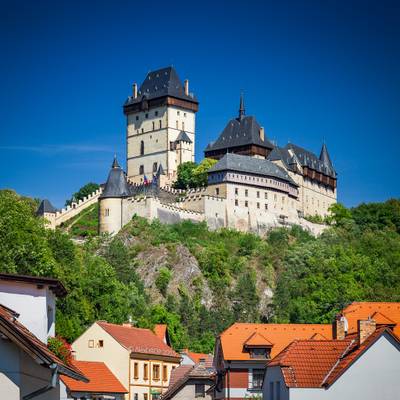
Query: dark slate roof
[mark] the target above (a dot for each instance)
(324, 156)
(183, 137)
(160, 83)
(240, 132)
(251, 165)
(45, 207)
(116, 185)
(305, 158)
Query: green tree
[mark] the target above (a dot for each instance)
(163, 279)
(200, 173)
(185, 175)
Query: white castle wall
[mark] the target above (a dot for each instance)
(70, 211)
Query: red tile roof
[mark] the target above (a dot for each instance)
(279, 335)
(138, 340)
(160, 330)
(256, 340)
(30, 344)
(197, 357)
(388, 313)
(318, 363)
(101, 379)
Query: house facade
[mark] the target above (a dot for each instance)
(139, 359)
(243, 351)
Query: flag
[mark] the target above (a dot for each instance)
(145, 180)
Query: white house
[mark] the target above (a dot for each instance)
(363, 365)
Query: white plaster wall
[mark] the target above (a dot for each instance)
(35, 306)
(188, 391)
(112, 353)
(274, 374)
(110, 215)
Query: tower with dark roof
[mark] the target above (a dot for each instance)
(160, 125)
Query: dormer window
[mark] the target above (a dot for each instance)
(260, 353)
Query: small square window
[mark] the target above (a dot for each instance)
(91, 343)
(101, 343)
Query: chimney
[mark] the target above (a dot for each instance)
(134, 90)
(365, 329)
(262, 133)
(339, 327)
(187, 87)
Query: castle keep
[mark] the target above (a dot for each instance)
(254, 186)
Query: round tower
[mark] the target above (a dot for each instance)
(111, 200)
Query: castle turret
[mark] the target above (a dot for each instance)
(47, 211)
(110, 201)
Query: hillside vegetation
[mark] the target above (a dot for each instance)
(199, 282)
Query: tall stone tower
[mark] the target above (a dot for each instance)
(161, 122)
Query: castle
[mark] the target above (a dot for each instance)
(254, 186)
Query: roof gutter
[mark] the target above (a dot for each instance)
(51, 385)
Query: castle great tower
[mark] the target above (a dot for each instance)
(161, 122)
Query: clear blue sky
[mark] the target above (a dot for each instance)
(311, 71)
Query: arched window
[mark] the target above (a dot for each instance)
(141, 147)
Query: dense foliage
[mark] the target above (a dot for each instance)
(357, 258)
(192, 175)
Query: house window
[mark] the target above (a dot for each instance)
(155, 167)
(278, 390)
(141, 147)
(217, 191)
(141, 170)
(271, 391)
(199, 390)
(136, 370)
(145, 372)
(236, 191)
(136, 396)
(164, 373)
(246, 192)
(260, 353)
(91, 343)
(246, 203)
(156, 372)
(101, 343)
(236, 202)
(145, 396)
(258, 377)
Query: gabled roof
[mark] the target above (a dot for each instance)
(181, 375)
(362, 310)
(314, 364)
(116, 185)
(280, 335)
(242, 131)
(160, 83)
(17, 333)
(54, 284)
(101, 379)
(251, 165)
(256, 339)
(197, 357)
(45, 207)
(183, 137)
(138, 340)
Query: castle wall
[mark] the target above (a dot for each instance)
(111, 215)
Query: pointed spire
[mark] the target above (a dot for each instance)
(242, 110)
(324, 156)
(115, 162)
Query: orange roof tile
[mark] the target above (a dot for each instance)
(160, 330)
(317, 363)
(29, 343)
(256, 340)
(101, 379)
(279, 335)
(363, 310)
(138, 340)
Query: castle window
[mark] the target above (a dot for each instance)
(217, 191)
(184, 114)
(246, 192)
(141, 170)
(246, 203)
(142, 130)
(236, 202)
(183, 126)
(147, 115)
(141, 147)
(266, 195)
(258, 195)
(154, 125)
(160, 122)
(258, 205)
(236, 191)
(107, 212)
(266, 206)
(137, 117)
(177, 124)
(178, 113)
(156, 113)
(155, 167)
